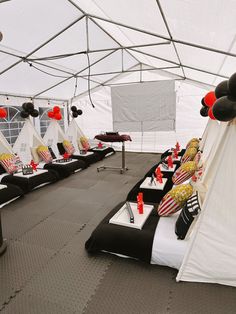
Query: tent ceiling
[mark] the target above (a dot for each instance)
(196, 38)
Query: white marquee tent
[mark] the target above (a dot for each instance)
(45, 48)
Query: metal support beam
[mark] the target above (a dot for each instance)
(169, 32)
(163, 37)
(95, 22)
(183, 65)
(72, 76)
(42, 45)
(131, 71)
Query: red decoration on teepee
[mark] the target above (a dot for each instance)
(177, 146)
(170, 161)
(34, 165)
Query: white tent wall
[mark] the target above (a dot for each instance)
(189, 123)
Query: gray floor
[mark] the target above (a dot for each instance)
(46, 269)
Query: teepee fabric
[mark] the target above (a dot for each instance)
(27, 139)
(204, 135)
(74, 133)
(211, 135)
(54, 135)
(5, 147)
(211, 253)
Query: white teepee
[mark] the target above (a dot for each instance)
(211, 253)
(5, 147)
(54, 135)
(27, 139)
(211, 134)
(74, 133)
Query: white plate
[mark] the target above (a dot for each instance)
(122, 217)
(155, 184)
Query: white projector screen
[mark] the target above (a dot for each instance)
(144, 107)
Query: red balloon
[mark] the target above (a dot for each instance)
(58, 116)
(3, 113)
(210, 114)
(51, 114)
(56, 109)
(209, 99)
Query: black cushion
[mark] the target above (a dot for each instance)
(9, 193)
(52, 152)
(103, 153)
(124, 240)
(65, 170)
(2, 170)
(28, 184)
(187, 216)
(61, 148)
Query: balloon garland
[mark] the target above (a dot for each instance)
(55, 113)
(76, 112)
(3, 113)
(28, 109)
(221, 103)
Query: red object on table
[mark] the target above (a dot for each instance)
(66, 156)
(100, 145)
(34, 165)
(177, 146)
(170, 161)
(159, 175)
(140, 202)
(175, 153)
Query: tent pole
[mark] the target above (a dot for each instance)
(183, 65)
(131, 71)
(169, 32)
(69, 78)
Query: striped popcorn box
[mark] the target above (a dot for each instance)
(69, 148)
(184, 172)
(85, 143)
(174, 200)
(7, 161)
(44, 153)
(189, 155)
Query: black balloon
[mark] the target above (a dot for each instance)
(75, 114)
(222, 89)
(203, 103)
(204, 111)
(29, 107)
(232, 84)
(224, 109)
(24, 114)
(24, 106)
(34, 113)
(73, 108)
(79, 111)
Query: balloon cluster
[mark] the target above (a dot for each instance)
(221, 104)
(55, 113)
(76, 112)
(28, 109)
(3, 113)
